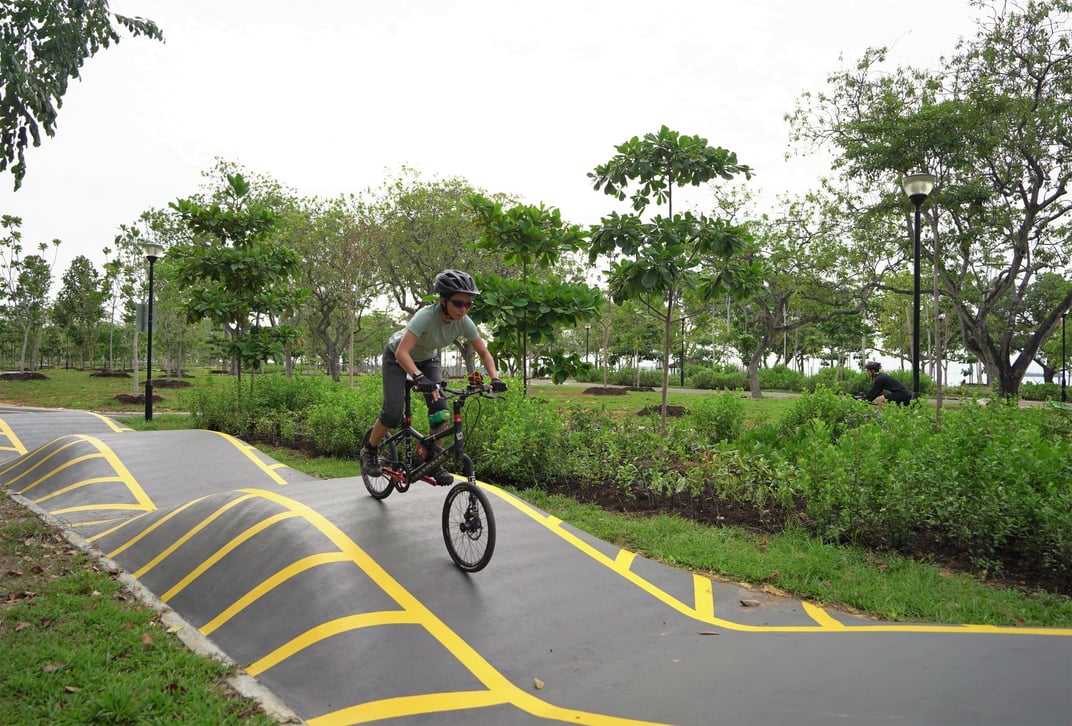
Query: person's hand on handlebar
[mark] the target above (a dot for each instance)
(498, 386)
(424, 384)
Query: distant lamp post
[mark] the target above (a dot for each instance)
(682, 351)
(587, 330)
(1064, 365)
(938, 373)
(152, 252)
(918, 187)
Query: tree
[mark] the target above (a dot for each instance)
(664, 257)
(43, 44)
(233, 273)
(25, 285)
(339, 271)
(992, 126)
(525, 310)
(420, 228)
(79, 307)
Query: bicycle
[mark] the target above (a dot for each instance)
(407, 456)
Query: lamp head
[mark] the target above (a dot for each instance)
(152, 251)
(918, 187)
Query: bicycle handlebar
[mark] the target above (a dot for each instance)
(483, 389)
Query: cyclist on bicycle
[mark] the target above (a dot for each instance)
(884, 387)
(413, 352)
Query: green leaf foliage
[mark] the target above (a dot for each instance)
(43, 45)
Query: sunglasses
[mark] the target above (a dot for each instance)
(462, 304)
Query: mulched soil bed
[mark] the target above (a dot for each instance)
(23, 376)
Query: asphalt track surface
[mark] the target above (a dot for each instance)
(349, 609)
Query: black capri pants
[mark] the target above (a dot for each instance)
(394, 388)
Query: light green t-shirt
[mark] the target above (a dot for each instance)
(432, 333)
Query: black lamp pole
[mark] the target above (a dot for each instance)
(682, 351)
(153, 252)
(1063, 359)
(918, 187)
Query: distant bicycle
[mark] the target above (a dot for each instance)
(407, 455)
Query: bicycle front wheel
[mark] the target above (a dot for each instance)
(468, 527)
(381, 486)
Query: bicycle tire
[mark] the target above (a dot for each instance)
(468, 527)
(381, 486)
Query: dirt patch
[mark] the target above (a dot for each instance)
(109, 374)
(23, 376)
(671, 411)
(615, 390)
(139, 398)
(172, 383)
(604, 391)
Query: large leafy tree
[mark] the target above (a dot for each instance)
(992, 125)
(234, 273)
(658, 259)
(24, 285)
(523, 309)
(420, 228)
(79, 307)
(340, 272)
(43, 44)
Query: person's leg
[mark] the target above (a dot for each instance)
(394, 391)
(430, 368)
(880, 402)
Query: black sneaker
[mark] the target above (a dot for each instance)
(370, 461)
(443, 478)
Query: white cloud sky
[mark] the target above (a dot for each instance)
(330, 96)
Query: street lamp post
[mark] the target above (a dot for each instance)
(682, 351)
(587, 330)
(152, 252)
(918, 187)
(1064, 365)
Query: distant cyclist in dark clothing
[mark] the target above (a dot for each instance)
(885, 387)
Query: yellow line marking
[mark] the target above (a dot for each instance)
(704, 594)
(820, 616)
(826, 624)
(9, 433)
(223, 551)
(110, 423)
(408, 706)
(188, 536)
(248, 450)
(624, 560)
(503, 689)
(291, 570)
(138, 537)
(65, 465)
(79, 485)
(328, 630)
(45, 453)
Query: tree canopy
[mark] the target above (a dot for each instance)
(43, 45)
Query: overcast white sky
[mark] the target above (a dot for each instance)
(331, 96)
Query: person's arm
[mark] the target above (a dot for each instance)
(485, 357)
(875, 391)
(405, 360)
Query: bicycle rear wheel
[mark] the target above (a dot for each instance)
(468, 527)
(381, 486)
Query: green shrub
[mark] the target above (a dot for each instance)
(718, 380)
(718, 417)
(781, 378)
(839, 412)
(1041, 391)
(518, 440)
